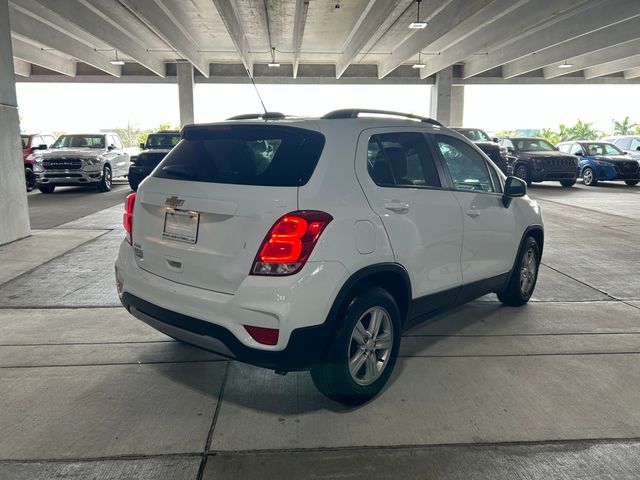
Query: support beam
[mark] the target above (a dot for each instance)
(613, 67)
(233, 23)
(14, 214)
(299, 22)
(441, 19)
(102, 27)
(38, 31)
(457, 106)
(608, 60)
(515, 19)
(591, 42)
(50, 60)
(587, 18)
(369, 23)
(22, 68)
(632, 73)
(441, 96)
(185, 93)
(157, 16)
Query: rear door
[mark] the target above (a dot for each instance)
(201, 216)
(489, 227)
(423, 220)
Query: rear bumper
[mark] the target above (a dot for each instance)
(297, 306)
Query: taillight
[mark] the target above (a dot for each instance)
(289, 243)
(127, 219)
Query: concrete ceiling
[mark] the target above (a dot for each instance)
(511, 41)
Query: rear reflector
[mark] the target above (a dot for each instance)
(265, 336)
(127, 219)
(290, 242)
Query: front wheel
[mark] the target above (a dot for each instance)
(364, 350)
(524, 275)
(589, 177)
(631, 183)
(30, 179)
(522, 172)
(567, 183)
(105, 182)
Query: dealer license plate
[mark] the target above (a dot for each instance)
(181, 226)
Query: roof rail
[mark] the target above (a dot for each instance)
(264, 116)
(355, 112)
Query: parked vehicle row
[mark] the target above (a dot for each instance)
(602, 161)
(32, 145)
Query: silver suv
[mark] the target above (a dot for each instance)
(82, 159)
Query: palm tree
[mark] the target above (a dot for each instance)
(624, 128)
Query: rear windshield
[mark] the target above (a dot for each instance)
(267, 155)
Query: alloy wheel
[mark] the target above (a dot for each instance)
(521, 172)
(528, 272)
(370, 346)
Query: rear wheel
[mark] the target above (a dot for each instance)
(364, 351)
(105, 182)
(567, 183)
(631, 183)
(589, 177)
(522, 172)
(47, 188)
(524, 275)
(30, 179)
(134, 183)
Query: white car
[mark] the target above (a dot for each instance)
(318, 251)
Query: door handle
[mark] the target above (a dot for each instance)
(473, 212)
(396, 206)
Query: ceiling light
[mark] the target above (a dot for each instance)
(116, 61)
(418, 25)
(273, 63)
(565, 65)
(419, 64)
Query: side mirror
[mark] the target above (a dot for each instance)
(142, 146)
(111, 147)
(42, 146)
(638, 148)
(495, 139)
(579, 153)
(510, 150)
(513, 187)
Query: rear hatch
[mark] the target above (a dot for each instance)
(202, 215)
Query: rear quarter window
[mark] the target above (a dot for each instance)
(266, 155)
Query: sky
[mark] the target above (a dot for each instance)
(76, 107)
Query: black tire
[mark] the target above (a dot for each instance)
(631, 183)
(567, 183)
(333, 377)
(522, 172)
(30, 179)
(589, 177)
(134, 184)
(106, 180)
(47, 188)
(516, 294)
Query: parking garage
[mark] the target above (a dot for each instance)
(549, 390)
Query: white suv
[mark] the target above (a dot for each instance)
(297, 244)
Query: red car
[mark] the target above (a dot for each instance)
(30, 144)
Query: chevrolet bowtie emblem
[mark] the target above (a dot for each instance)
(174, 202)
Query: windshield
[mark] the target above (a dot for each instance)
(601, 149)
(163, 140)
(533, 145)
(475, 135)
(79, 141)
(25, 140)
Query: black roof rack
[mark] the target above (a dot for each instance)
(264, 116)
(355, 112)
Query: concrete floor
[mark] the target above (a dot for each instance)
(550, 390)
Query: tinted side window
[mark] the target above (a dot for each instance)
(497, 184)
(506, 143)
(401, 159)
(623, 143)
(635, 143)
(116, 141)
(467, 168)
(266, 155)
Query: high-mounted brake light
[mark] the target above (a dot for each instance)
(290, 242)
(127, 218)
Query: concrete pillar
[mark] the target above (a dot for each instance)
(441, 96)
(185, 92)
(14, 211)
(457, 106)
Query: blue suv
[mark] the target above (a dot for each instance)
(602, 161)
